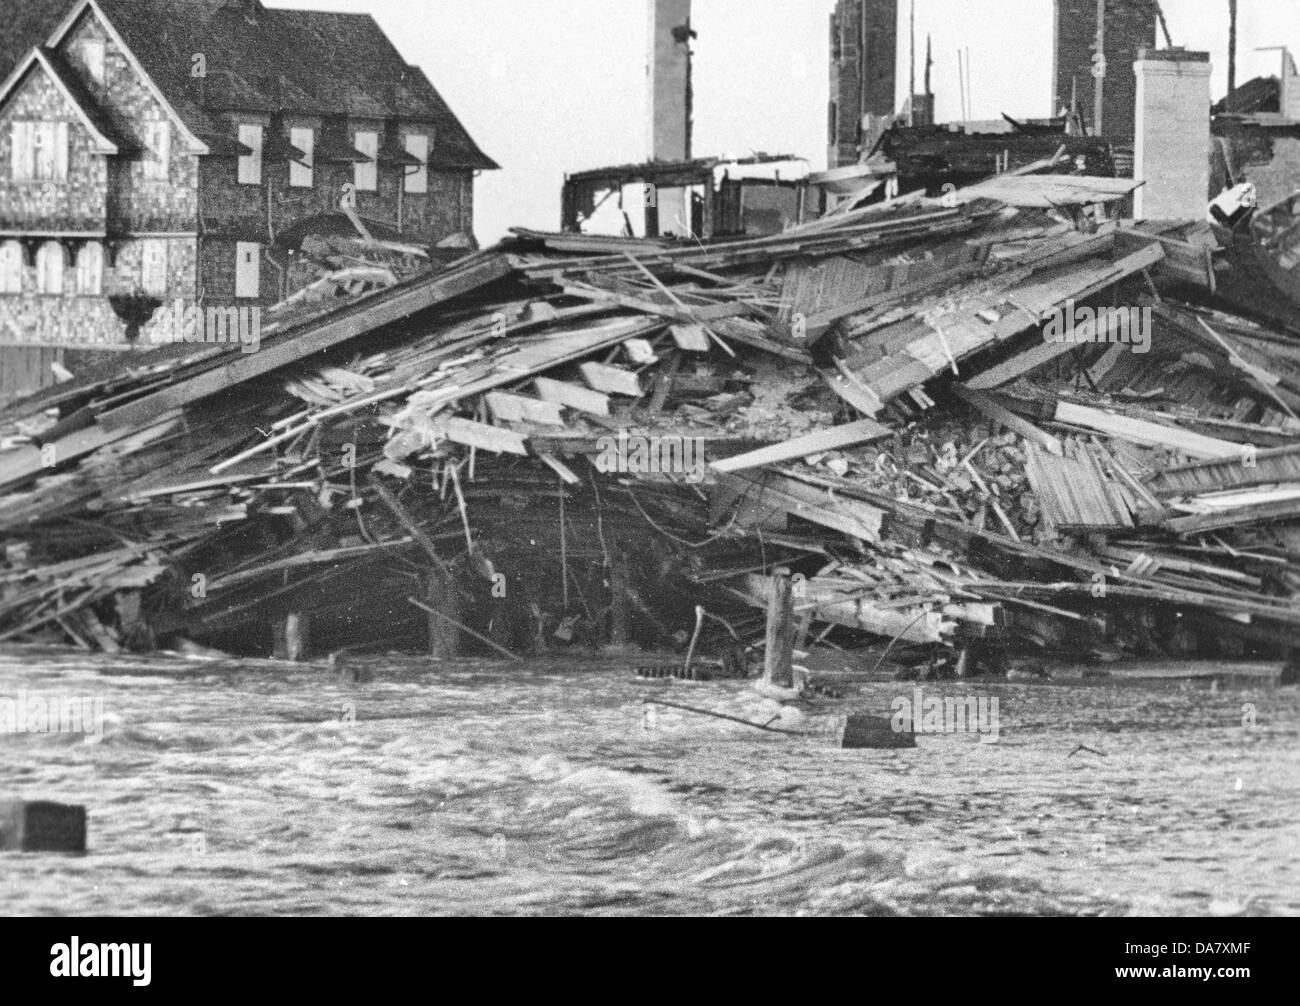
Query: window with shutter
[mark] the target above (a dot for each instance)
(49, 268)
(366, 174)
(158, 144)
(248, 272)
(250, 165)
(11, 267)
(417, 179)
(90, 268)
(22, 151)
(300, 175)
(153, 267)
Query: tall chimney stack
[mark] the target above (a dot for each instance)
(668, 74)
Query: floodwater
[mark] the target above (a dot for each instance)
(474, 787)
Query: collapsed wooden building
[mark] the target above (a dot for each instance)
(967, 427)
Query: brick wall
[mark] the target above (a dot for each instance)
(863, 69)
(1130, 26)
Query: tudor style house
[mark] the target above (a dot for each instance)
(160, 149)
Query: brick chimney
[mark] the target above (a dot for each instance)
(1172, 147)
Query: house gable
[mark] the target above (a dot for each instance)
(61, 190)
(188, 139)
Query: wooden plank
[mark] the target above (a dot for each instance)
(691, 338)
(1279, 464)
(522, 409)
(1285, 509)
(985, 404)
(1139, 431)
(610, 379)
(572, 395)
(480, 435)
(862, 431)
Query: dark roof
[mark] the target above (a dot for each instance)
(260, 59)
(1259, 94)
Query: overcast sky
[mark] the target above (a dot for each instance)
(549, 86)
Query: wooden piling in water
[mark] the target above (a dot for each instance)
(778, 655)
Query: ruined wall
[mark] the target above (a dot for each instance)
(863, 68)
(1130, 26)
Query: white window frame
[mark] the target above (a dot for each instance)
(158, 150)
(248, 282)
(94, 52)
(39, 151)
(51, 262)
(11, 267)
(365, 174)
(153, 267)
(90, 269)
(250, 165)
(417, 181)
(301, 175)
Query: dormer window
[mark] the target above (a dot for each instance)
(250, 165)
(417, 179)
(366, 173)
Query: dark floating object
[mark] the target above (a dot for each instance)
(866, 731)
(41, 826)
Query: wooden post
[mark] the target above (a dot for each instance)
(444, 637)
(292, 635)
(778, 654)
(618, 600)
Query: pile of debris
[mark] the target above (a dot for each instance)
(971, 426)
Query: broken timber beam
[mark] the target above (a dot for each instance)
(850, 434)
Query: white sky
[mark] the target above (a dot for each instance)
(549, 86)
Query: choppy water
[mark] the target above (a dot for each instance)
(478, 788)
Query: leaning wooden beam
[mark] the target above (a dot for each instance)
(465, 628)
(861, 432)
(365, 315)
(408, 522)
(987, 406)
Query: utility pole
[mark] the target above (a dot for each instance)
(1099, 69)
(1232, 47)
